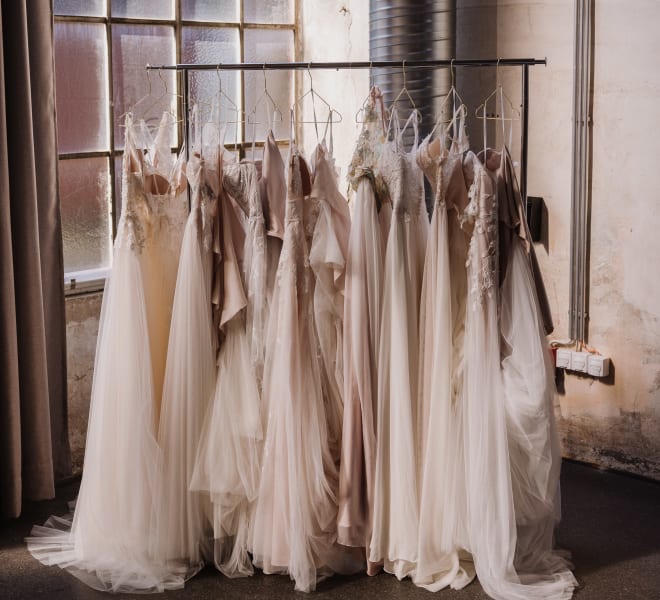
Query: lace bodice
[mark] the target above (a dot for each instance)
(482, 260)
(370, 143)
(403, 178)
(154, 207)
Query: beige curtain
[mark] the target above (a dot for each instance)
(34, 448)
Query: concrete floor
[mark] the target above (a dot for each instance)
(611, 524)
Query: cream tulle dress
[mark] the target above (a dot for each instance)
(442, 560)
(181, 533)
(396, 488)
(107, 544)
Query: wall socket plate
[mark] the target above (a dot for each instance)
(583, 362)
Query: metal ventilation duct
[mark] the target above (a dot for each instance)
(400, 30)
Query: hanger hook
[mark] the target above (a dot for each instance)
(263, 70)
(371, 74)
(451, 71)
(403, 67)
(148, 82)
(497, 74)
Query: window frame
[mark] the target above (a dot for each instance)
(93, 280)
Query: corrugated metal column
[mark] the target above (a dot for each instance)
(400, 30)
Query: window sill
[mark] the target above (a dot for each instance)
(77, 283)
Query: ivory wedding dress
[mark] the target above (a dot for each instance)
(442, 538)
(396, 491)
(511, 451)
(229, 453)
(371, 215)
(107, 544)
(181, 532)
(294, 522)
(327, 259)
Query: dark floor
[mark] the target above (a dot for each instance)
(611, 524)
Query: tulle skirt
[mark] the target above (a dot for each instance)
(396, 492)
(106, 543)
(497, 410)
(181, 531)
(228, 459)
(442, 472)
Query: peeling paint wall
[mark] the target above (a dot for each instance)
(82, 325)
(613, 422)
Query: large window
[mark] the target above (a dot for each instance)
(101, 50)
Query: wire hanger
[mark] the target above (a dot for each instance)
(505, 103)
(333, 114)
(274, 116)
(403, 93)
(172, 113)
(455, 102)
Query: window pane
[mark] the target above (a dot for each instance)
(84, 198)
(210, 10)
(80, 8)
(133, 46)
(143, 9)
(269, 45)
(212, 46)
(82, 91)
(268, 11)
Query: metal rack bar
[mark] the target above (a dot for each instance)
(364, 64)
(525, 63)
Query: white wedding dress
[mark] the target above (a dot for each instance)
(371, 216)
(107, 544)
(442, 538)
(228, 460)
(181, 533)
(294, 527)
(511, 451)
(396, 491)
(327, 258)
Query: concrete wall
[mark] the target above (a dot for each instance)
(613, 422)
(82, 326)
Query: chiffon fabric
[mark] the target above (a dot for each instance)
(107, 542)
(396, 491)
(442, 539)
(294, 522)
(508, 421)
(371, 216)
(181, 531)
(229, 453)
(327, 259)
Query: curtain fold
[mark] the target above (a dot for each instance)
(34, 448)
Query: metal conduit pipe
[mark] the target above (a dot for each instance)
(402, 30)
(580, 196)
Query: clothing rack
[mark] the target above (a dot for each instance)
(524, 63)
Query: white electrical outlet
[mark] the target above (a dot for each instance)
(583, 362)
(598, 366)
(563, 358)
(579, 361)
